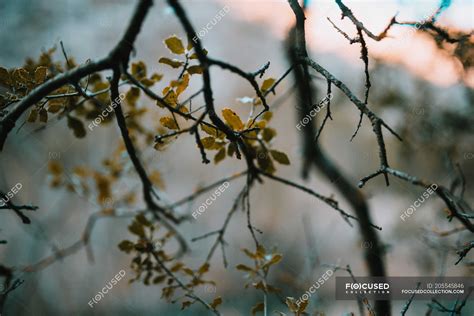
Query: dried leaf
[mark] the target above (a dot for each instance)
(137, 229)
(171, 62)
(186, 304)
(182, 85)
(265, 162)
(267, 116)
(4, 76)
(268, 134)
(257, 308)
(219, 156)
(126, 246)
(77, 127)
(175, 45)
(55, 167)
(168, 122)
(40, 74)
(156, 77)
(55, 105)
(267, 84)
(43, 115)
(274, 260)
(243, 267)
(208, 142)
(232, 119)
(195, 70)
(212, 131)
(216, 302)
(204, 268)
(280, 157)
(132, 96)
(139, 70)
(32, 116)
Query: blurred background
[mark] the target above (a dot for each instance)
(422, 89)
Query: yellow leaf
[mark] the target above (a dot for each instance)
(267, 84)
(195, 70)
(171, 62)
(219, 156)
(281, 157)
(208, 142)
(182, 84)
(171, 98)
(232, 119)
(175, 45)
(168, 122)
(40, 74)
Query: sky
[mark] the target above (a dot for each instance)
(404, 47)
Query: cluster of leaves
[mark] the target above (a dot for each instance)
(257, 137)
(149, 261)
(257, 275)
(18, 82)
(106, 182)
